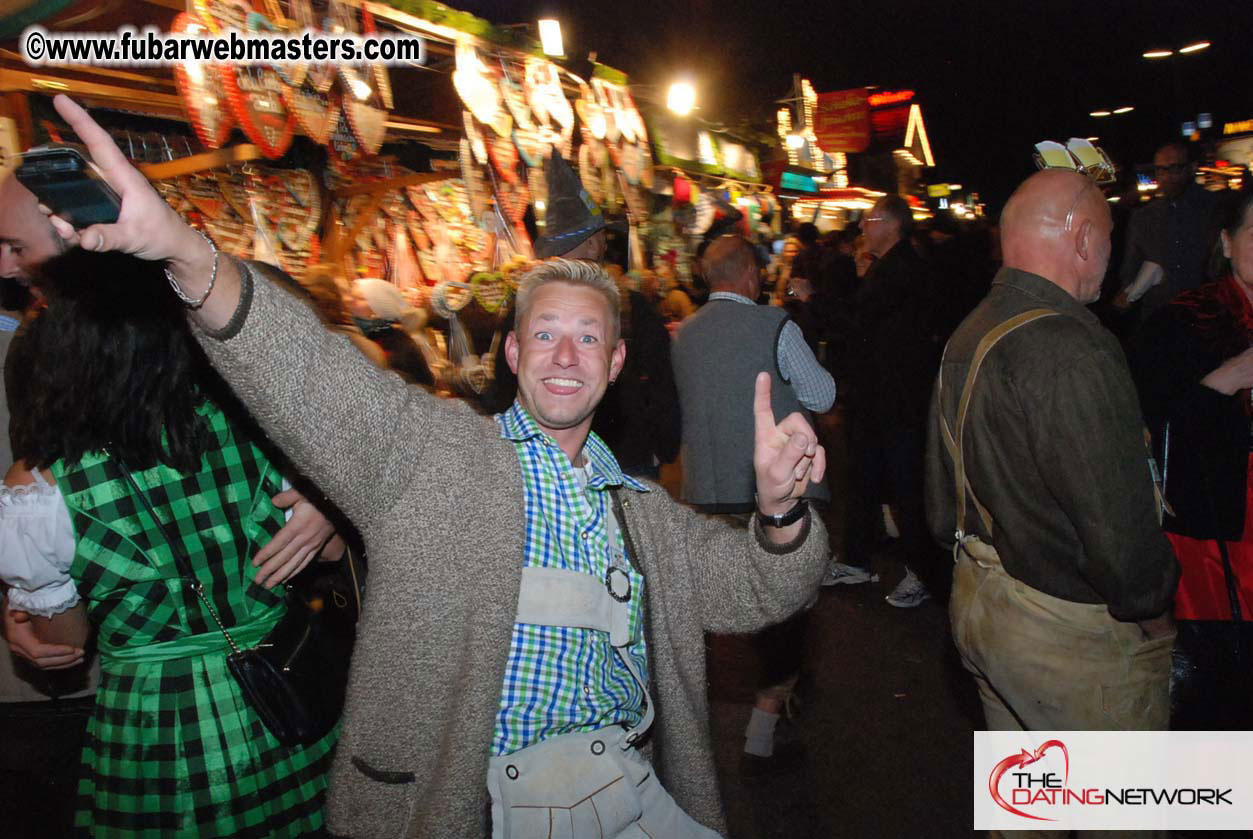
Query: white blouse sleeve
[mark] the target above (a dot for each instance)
(36, 549)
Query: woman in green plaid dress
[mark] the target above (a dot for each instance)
(172, 749)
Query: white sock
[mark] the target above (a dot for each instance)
(759, 736)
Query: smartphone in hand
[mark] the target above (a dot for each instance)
(64, 179)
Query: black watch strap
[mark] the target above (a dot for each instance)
(784, 519)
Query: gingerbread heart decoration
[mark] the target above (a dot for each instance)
(204, 195)
(234, 192)
(255, 93)
(342, 145)
(368, 123)
(315, 112)
(210, 117)
(302, 213)
(223, 14)
(515, 100)
(532, 146)
(320, 77)
(504, 158)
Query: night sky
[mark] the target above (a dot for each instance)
(992, 78)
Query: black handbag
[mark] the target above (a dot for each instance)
(1211, 658)
(294, 678)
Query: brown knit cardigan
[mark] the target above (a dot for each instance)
(438, 496)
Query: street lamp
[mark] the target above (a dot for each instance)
(681, 98)
(1172, 54)
(550, 37)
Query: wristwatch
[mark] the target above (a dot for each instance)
(784, 519)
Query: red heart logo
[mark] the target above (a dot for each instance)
(1024, 758)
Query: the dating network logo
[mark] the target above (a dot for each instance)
(1112, 780)
(1046, 785)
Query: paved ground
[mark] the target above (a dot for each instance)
(885, 727)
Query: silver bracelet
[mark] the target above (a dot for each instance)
(213, 278)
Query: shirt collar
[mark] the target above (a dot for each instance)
(517, 426)
(731, 295)
(1048, 293)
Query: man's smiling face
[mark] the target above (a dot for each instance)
(565, 354)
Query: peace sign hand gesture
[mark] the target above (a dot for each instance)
(786, 455)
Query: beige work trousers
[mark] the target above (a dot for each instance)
(1042, 663)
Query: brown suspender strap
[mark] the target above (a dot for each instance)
(954, 442)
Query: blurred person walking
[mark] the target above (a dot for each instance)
(890, 377)
(718, 352)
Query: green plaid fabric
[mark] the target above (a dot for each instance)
(561, 680)
(172, 748)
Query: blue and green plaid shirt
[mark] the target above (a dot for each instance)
(561, 680)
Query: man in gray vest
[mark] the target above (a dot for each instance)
(717, 354)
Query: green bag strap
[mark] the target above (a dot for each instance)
(954, 442)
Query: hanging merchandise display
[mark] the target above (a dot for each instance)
(366, 88)
(319, 77)
(477, 90)
(252, 212)
(548, 102)
(269, 102)
(253, 91)
(316, 113)
(197, 83)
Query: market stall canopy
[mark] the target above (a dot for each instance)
(693, 146)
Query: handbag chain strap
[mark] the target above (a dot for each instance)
(180, 557)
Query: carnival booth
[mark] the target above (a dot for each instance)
(428, 175)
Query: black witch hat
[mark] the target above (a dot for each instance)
(572, 216)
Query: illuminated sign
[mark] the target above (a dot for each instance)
(894, 97)
(938, 190)
(800, 183)
(917, 130)
(842, 121)
(1238, 127)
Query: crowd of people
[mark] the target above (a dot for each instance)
(191, 433)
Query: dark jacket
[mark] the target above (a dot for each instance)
(1208, 431)
(1054, 448)
(1178, 234)
(893, 359)
(639, 416)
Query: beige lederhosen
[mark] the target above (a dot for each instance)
(1061, 665)
(592, 784)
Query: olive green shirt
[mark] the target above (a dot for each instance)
(1055, 450)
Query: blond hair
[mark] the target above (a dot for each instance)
(579, 272)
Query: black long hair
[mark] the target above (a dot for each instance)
(111, 365)
(14, 296)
